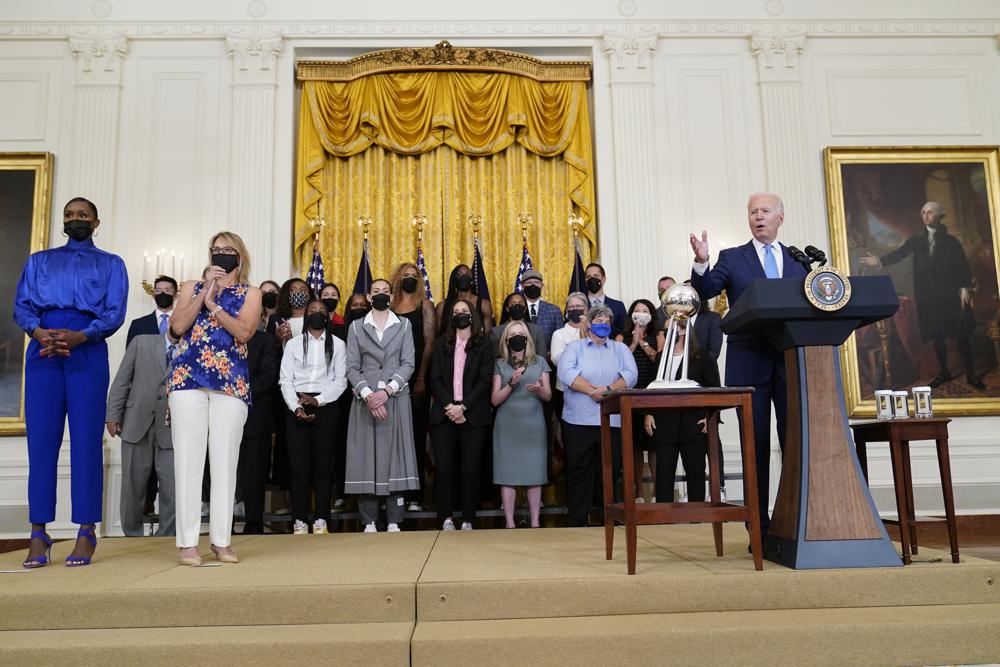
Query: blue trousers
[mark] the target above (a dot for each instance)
(54, 388)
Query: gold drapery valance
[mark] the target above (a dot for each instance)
(448, 132)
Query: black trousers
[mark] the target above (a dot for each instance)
(692, 454)
(419, 413)
(255, 458)
(340, 442)
(452, 442)
(584, 476)
(310, 453)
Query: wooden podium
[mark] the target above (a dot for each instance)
(824, 515)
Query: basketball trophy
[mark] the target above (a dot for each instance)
(680, 302)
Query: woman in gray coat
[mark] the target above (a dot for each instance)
(381, 460)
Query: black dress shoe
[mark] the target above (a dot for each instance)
(939, 380)
(975, 382)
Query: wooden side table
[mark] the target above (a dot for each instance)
(899, 433)
(715, 511)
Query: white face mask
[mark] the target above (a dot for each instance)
(642, 319)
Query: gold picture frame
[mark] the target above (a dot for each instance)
(25, 205)
(875, 198)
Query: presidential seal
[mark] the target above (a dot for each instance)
(828, 288)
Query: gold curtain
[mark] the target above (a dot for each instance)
(445, 144)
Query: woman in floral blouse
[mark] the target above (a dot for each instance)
(209, 387)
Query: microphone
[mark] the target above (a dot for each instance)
(799, 257)
(816, 255)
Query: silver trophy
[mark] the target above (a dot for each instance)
(680, 302)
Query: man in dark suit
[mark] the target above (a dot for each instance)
(164, 294)
(662, 285)
(546, 316)
(750, 360)
(595, 279)
(942, 282)
(255, 449)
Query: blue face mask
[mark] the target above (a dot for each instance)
(601, 329)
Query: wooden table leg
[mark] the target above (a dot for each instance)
(944, 465)
(912, 516)
(898, 481)
(750, 481)
(862, 448)
(608, 484)
(714, 476)
(628, 474)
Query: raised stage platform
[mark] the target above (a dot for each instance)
(543, 596)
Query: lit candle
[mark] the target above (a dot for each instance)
(173, 264)
(145, 266)
(158, 253)
(180, 274)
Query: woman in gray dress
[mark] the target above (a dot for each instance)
(381, 461)
(520, 450)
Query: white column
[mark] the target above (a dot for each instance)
(786, 157)
(637, 209)
(251, 179)
(92, 172)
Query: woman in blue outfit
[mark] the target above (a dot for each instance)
(69, 300)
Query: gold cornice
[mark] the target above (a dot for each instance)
(443, 57)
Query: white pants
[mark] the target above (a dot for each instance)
(201, 419)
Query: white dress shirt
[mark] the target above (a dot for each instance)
(309, 373)
(560, 339)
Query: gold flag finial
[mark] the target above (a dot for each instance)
(365, 222)
(524, 220)
(476, 221)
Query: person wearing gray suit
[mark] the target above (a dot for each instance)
(137, 411)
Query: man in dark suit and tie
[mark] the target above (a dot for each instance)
(595, 277)
(750, 360)
(546, 316)
(164, 294)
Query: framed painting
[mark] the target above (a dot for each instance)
(25, 202)
(926, 217)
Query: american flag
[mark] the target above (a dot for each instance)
(478, 274)
(422, 265)
(316, 276)
(578, 280)
(363, 281)
(525, 266)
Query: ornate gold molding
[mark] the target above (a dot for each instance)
(446, 57)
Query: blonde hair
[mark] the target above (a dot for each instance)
(236, 243)
(529, 351)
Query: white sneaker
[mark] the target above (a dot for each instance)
(414, 507)
(319, 527)
(640, 500)
(205, 508)
(393, 528)
(370, 528)
(466, 525)
(448, 525)
(338, 504)
(652, 499)
(300, 528)
(239, 509)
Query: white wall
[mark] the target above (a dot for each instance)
(149, 130)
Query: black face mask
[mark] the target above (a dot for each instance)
(269, 299)
(226, 262)
(463, 283)
(532, 292)
(517, 311)
(317, 321)
(331, 304)
(574, 315)
(163, 300)
(461, 321)
(409, 284)
(380, 301)
(78, 230)
(517, 343)
(593, 284)
(357, 313)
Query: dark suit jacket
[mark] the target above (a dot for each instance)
(262, 361)
(708, 332)
(673, 427)
(477, 382)
(147, 324)
(750, 359)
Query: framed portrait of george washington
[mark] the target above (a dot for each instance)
(927, 217)
(25, 203)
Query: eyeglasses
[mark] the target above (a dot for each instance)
(225, 250)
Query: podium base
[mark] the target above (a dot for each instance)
(830, 554)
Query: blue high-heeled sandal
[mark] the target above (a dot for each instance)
(77, 561)
(43, 560)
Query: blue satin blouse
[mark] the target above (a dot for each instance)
(77, 276)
